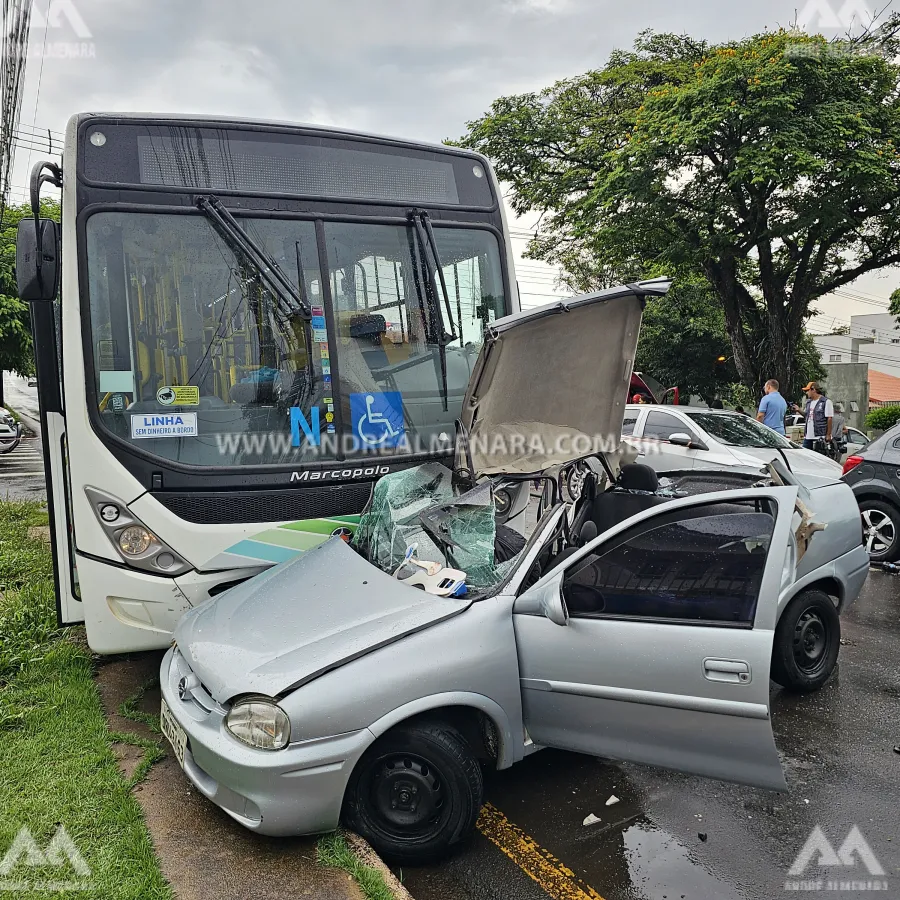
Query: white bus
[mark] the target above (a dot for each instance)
(239, 326)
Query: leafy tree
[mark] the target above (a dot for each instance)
(684, 342)
(883, 417)
(894, 306)
(16, 352)
(767, 166)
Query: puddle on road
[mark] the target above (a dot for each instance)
(660, 866)
(625, 856)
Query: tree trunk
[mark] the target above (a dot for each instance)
(740, 313)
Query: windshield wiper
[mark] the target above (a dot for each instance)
(421, 221)
(243, 246)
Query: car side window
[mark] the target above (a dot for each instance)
(628, 423)
(660, 425)
(701, 564)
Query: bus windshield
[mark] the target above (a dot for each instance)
(193, 358)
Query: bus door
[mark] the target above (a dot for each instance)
(69, 608)
(37, 278)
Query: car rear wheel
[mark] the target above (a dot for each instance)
(881, 530)
(807, 642)
(415, 793)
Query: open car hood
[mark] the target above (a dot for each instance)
(552, 382)
(301, 619)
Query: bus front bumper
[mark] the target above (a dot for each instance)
(145, 608)
(297, 790)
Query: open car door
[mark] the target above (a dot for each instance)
(652, 644)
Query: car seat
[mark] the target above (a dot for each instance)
(635, 491)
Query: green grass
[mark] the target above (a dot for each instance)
(56, 762)
(334, 851)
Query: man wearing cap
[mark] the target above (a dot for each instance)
(819, 414)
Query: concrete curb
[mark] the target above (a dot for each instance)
(369, 857)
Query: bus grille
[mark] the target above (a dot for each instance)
(267, 506)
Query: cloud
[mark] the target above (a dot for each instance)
(413, 68)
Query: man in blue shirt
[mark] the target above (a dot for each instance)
(772, 407)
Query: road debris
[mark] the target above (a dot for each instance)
(613, 800)
(591, 820)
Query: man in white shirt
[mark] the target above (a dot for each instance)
(819, 414)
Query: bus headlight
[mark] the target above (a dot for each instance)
(135, 540)
(259, 722)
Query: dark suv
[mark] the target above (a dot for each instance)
(874, 475)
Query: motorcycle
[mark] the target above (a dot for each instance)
(10, 432)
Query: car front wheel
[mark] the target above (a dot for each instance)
(807, 642)
(881, 530)
(415, 793)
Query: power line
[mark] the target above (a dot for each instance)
(24, 126)
(13, 56)
(37, 95)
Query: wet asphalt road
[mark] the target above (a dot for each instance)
(22, 469)
(22, 472)
(837, 751)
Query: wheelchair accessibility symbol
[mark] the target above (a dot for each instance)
(377, 418)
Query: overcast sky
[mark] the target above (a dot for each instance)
(412, 68)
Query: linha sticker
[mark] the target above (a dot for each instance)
(164, 425)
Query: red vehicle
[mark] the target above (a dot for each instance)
(650, 390)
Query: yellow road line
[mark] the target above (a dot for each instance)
(558, 881)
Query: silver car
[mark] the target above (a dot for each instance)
(614, 616)
(687, 437)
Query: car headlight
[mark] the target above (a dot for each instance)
(135, 540)
(260, 723)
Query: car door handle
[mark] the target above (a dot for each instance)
(730, 671)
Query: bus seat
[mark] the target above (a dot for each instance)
(368, 326)
(395, 353)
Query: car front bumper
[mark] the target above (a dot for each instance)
(297, 790)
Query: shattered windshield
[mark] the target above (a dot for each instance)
(418, 517)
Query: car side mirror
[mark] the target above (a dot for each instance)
(682, 439)
(37, 259)
(553, 604)
(545, 600)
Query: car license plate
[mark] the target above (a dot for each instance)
(173, 732)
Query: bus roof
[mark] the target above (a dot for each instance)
(265, 124)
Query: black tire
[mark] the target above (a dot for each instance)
(807, 642)
(887, 517)
(430, 775)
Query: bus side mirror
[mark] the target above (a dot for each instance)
(37, 260)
